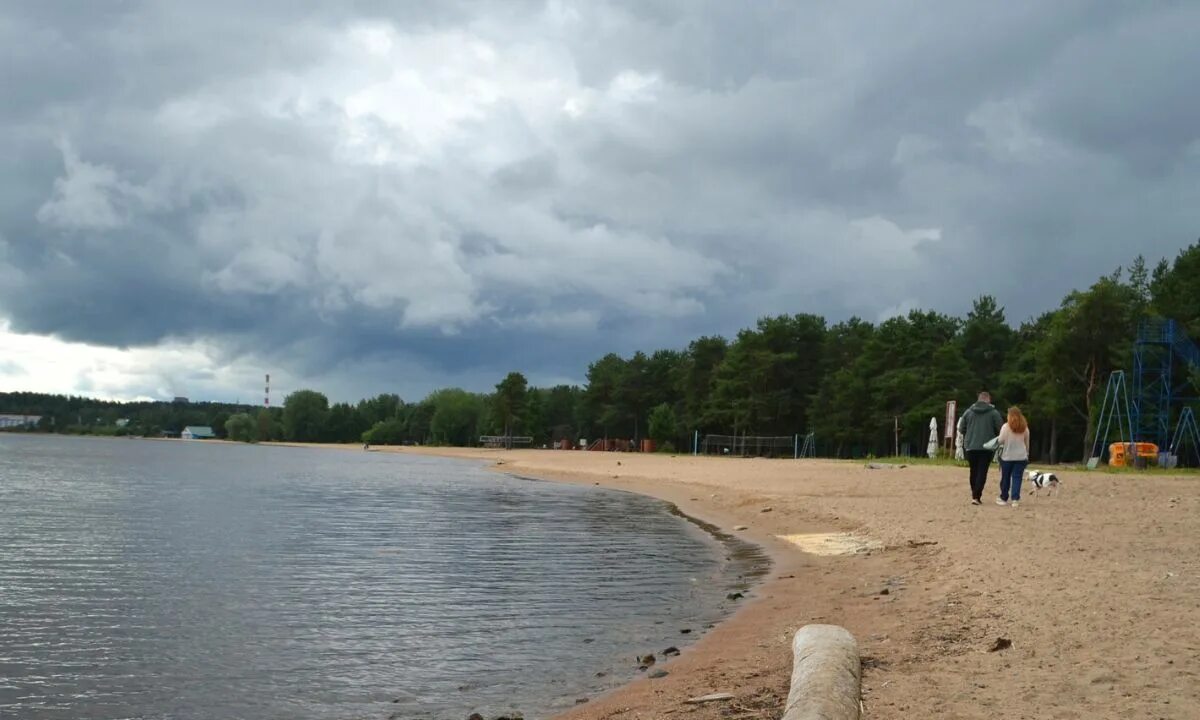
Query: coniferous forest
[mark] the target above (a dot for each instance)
(848, 383)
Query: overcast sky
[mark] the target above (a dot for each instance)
(400, 196)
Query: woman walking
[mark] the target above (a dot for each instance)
(1014, 456)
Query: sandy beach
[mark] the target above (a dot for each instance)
(1097, 590)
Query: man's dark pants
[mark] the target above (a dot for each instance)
(979, 460)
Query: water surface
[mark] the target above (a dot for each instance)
(144, 579)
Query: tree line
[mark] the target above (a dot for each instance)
(850, 383)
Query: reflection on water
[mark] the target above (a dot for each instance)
(184, 580)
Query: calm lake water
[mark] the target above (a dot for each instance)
(143, 579)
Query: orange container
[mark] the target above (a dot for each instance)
(1117, 453)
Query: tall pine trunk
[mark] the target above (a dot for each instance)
(1053, 441)
(1088, 430)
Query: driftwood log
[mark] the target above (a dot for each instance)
(826, 675)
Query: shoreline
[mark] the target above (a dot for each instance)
(1065, 580)
(748, 653)
(1079, 605)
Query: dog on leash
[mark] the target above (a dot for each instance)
(1039, 480)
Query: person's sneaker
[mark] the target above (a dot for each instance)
(1000, 501)
(1015, 503)
(976, 502)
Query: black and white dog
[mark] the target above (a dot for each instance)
(1039, 480)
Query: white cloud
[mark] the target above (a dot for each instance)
(432, 176)
(900, 309)
(86, 197)
(45, 364)
(1008, 135)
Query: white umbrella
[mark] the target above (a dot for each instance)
(933, 439)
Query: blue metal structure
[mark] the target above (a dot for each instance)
(1162, 347)
(1186, 432)
(1116, 406)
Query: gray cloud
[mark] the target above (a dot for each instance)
(385, 196)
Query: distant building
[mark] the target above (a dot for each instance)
(197, 432)
(180, 399)
(9, 420)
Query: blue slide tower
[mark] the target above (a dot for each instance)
(1163, 359)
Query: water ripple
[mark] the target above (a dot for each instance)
(177, 580)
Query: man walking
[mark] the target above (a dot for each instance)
(979, 425)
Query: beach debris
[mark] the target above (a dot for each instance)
(659, 674)
(589, 640)
(645, 661)
(921, 543)
(740, 527)
(767, 509)
(580, 701)
(685, 631)
(1002, 643)
(670, 651)
(601, 674)
(734, 596)
(885, 466)
(711, 697)
(618, 462)
(885, 591)
(474, 716)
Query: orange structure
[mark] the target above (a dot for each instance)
(1118, 453)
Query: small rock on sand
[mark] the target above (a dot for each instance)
(670, 651)
(767, 509)
(740, 527)
(658, 674)
(734, 596)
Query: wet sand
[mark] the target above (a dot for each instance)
(1097, 590)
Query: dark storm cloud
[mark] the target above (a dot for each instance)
(444, 192)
